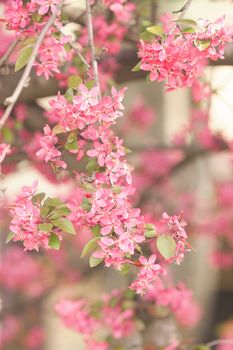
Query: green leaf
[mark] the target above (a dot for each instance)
(65, 225)
(45, 227)
(189, 30)
(59, 213)
(90, 246)
(202, 44)
(157, 30)
(23, 58)
(69, 95)
(150, 231)
(29, 41)
(7, 134)
(74, 81)
(92, 165)
(37, 198)
(137, 67)
(54, 241)
(166, 246)
(202, 347)
(44, 211)
(90, 84)
(86, 205)
(71, 143)
(95, 261)
(124, 269)
(96, 230)
(147, 36)
(54, 202)
(9, 237)
(187, 23)
(58, 129)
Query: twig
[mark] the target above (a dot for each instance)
(75, 49)
(220, 342)
(7, 54)
(184, 9)
(14, 97)
(91, 43)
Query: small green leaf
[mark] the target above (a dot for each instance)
(90, 84)
(54, 202)
(86, 205)
(157, 30)
(58, 129)
(37, 198)
(166, 246)
(187, 23)
(23, 58)
(90, 246)
(29, 41)
(96, 230)
(150, 231)
(92, 165)
(202, 347)
(9, 237)
(7, 134)
(202, 44)
(59, 213)
(74, 81)
(45, 227)
(65, 225)
(147, 36)
(71, 143)
(95, 261)
(189, 30)
(69, 95)
(54, 241)
(137, 67)
(44, 211)
(124, 269)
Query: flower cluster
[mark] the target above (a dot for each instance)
(109, 313)
(38, 222)
(106, 206)
(48, 152)
(178, 57)
(178, 299)
(26, 217)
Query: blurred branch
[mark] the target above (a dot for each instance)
(11, 101)
(7, 54)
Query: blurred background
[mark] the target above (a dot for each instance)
(182, 155)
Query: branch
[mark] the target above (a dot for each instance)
(75, 49)
(8, 52)
(91, 43)
(184, 9)
(14, 97)
(220, 342)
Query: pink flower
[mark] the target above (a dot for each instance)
(4, 150)
(86, 98)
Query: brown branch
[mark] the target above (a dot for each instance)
(23, 81)
(75, 49)
(9, 51)
(184, 9)
(91, 42)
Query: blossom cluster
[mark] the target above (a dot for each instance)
(105, 206)
(110, 313)
(177, 57)
(178, 299)
(38, 222)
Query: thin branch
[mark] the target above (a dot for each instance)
(11, 101)
(91, 43)
(220, 342)
(9, 51)
(75, 49)
(184, 9)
